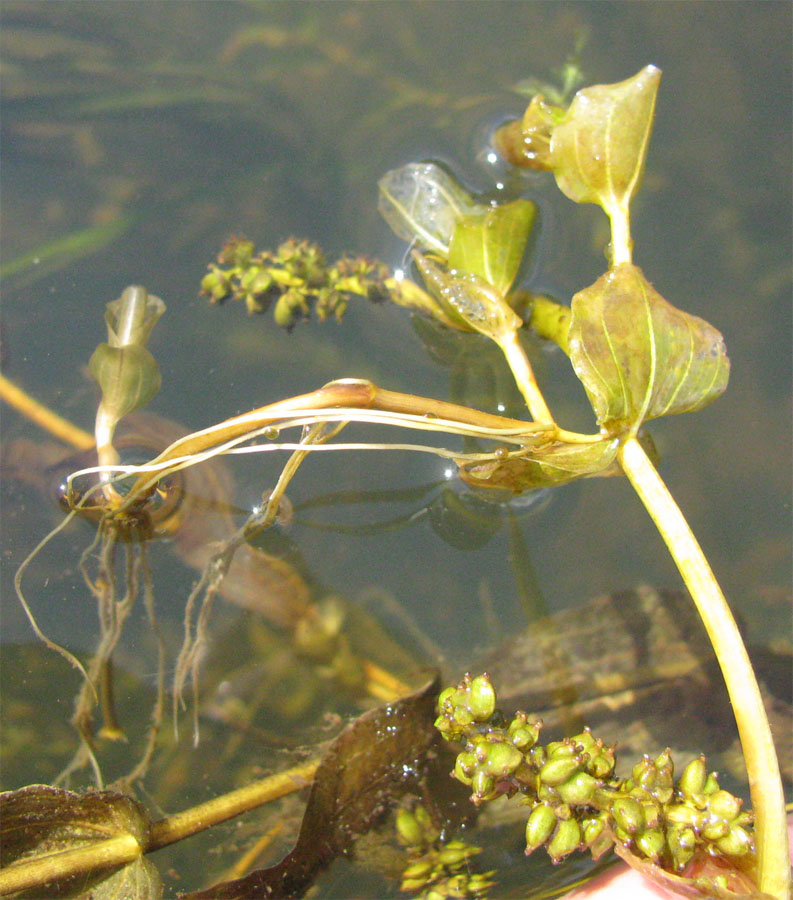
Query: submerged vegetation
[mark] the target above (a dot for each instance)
(637, 357)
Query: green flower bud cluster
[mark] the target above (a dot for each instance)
(493, 754)
(472, 702)
(295, 277)
(576, 800)
(702, 814)
(566, 794)
(436, 870)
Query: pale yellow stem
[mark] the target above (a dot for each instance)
(117, 851)
(765, 784)
(42, 871)
(219, 809)
(621, 250)
(524, 377)
(344, 394)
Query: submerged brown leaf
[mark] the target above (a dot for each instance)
(371, 763)
(638, 356)
(42, 824)
(543, 466)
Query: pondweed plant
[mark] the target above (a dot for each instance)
(638, 358)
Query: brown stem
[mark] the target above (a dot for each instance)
(347, 393)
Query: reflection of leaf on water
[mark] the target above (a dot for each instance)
(374, 760)
(40, 821)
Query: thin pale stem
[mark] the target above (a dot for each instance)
(765, 784)
(524, 377)
(355, 394)
(621, 250)
(316, 434)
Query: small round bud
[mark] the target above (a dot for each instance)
(592, 829)
(566, 839)
(465, 767)
(682, 841)
(736, 842)
(481, 698)
(628, 814)
(652, 844)
(692, 781)
(558, 770)
(417, 870)
(502, 759)
(579, 790)
(454, 853)
(408, 829)
(482, 786)
(724, 805)
(540, 826)
(683, 814)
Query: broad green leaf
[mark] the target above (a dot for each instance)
(638, 356)
(476, 303)
(129, 377)
(542, 466)
(42, 823)
(599, 148)
(491, 244)
(422, 202)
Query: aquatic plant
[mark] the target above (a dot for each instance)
(637, 356)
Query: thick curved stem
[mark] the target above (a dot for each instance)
(765, 784)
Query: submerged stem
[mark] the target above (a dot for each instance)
(219, 809)
(124, 848)
(762, 766)
(44, 417)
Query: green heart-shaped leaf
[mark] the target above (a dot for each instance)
(491, 244)
(638, 356)
(599, 148)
